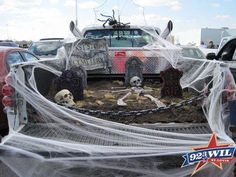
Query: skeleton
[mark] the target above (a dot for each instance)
(65, 97)
(136, 88)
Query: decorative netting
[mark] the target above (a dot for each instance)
(56, 141)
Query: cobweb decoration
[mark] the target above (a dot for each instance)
(60, 142)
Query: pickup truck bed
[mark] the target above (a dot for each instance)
(163, 162)
(43, 131)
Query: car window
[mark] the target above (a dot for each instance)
(122, 37)
(234, 55)
(29, 57)
(13, 58)
(223, 41)
(45, 48)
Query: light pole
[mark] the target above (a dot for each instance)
(76, 20)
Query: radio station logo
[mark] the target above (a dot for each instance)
(213, 153)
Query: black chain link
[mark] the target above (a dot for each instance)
(139, 112)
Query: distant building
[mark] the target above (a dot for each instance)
(215, 34)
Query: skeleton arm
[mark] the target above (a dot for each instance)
(155, 100)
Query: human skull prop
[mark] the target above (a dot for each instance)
(135, 81)
(64, 97)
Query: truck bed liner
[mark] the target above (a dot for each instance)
(42, 131)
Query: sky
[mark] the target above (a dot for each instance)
(35, 19)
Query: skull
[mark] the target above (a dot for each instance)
(65, 97)
(135, 81)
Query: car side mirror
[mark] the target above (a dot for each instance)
(211, 56)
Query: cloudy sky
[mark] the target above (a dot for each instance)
(35, 19)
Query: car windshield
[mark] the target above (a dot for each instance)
(193, 53)
(122, 37)
(45, 48)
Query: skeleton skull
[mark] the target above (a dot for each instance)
(135, 81)
(64, 97)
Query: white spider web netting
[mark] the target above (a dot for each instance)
(60, 142)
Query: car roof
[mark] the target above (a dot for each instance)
(126, 27)
(7, 49)
(8, 43)
(188, 46)
(50, 39)
(4, 50)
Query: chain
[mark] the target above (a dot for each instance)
(139, 112)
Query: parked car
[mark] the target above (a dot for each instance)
(8, 43)
(47, 47)
(226, 53)
(9, 56)
(192, 52)
(207, 50)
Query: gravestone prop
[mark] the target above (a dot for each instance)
(133, 67)
(81, 72)
(71, 81)
(171, 83)
(92, 54)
